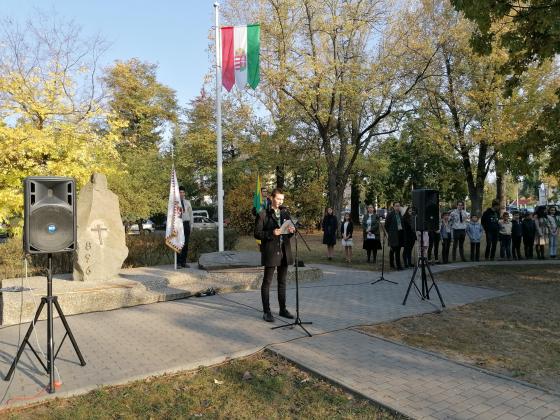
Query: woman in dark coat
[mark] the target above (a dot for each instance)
(276, 252)
(370, 228)
(409, 237)
(395, 234)
(329, 226)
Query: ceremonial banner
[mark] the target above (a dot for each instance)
(174, 234)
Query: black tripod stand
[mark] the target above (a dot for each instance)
(49, 301)
(383, 244)
(297, 320)
(422, 263)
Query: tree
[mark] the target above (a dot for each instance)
(464, 97)
(324, 66)
(146, 107)
(50, 110)
(529, 31)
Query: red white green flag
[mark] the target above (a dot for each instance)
(240, 56)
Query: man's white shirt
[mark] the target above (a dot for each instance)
(455, 219)
(187, 215)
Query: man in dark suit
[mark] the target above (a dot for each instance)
(276, 252)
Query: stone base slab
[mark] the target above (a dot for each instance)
(135, 286)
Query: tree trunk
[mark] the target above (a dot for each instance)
(279, 176)
(355, 199)
(476, 195)
(336, 187)
(500, 189)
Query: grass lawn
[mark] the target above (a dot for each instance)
(262, 386)
(516, 335)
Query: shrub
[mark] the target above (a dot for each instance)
(204, 241)
(143, 251)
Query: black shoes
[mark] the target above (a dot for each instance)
(267, 316)
(183, 266)
(284, 313)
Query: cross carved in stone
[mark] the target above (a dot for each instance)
(98, 229)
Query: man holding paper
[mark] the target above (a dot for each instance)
(274, 228)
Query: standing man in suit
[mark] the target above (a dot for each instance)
(187, 218)
(276, 252)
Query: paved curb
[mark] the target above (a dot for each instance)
(334, 381)
(464, 364)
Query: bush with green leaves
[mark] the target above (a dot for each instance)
(143, 251)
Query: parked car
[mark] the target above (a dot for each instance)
(203, 213)
(201, 223)
(147, 226)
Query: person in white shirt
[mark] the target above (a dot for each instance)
(187, 217)
(458, 221)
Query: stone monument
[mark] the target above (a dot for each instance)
(101, 248)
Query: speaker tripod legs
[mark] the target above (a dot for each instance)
(425, 292)
(49, 301)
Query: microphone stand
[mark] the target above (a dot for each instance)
(382, 278)
(297, 320)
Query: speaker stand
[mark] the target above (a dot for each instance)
(422, 264)
(49, 301)
(382, 278)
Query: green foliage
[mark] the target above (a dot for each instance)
(528, 30)
(143, 182)
(416, 161)
(141, 101)
(143, 251)
(49, 114)
(238, 204)
(204, 241)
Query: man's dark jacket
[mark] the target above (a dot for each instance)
(490, 220)
(272, 246)
(395, 239)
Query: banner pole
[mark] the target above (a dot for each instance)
(220, 191)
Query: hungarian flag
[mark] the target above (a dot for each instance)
(240, 56)
(174, 233)
(257, 199)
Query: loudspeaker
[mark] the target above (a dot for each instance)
(49, 214)
(426, 204)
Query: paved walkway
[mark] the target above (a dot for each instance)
(146, 340)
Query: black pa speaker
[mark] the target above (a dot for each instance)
(426, 204)
(49, 214)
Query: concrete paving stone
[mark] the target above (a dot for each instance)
(508, 416)
(184, 334)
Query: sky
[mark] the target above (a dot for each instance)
(170, 33)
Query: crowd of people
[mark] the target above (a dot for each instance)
(538, 233)
(274, 229)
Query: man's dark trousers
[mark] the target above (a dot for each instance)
(459, 241)
(182, 257)
(491, 243)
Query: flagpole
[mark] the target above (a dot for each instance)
(173, 168)
(219, 132)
